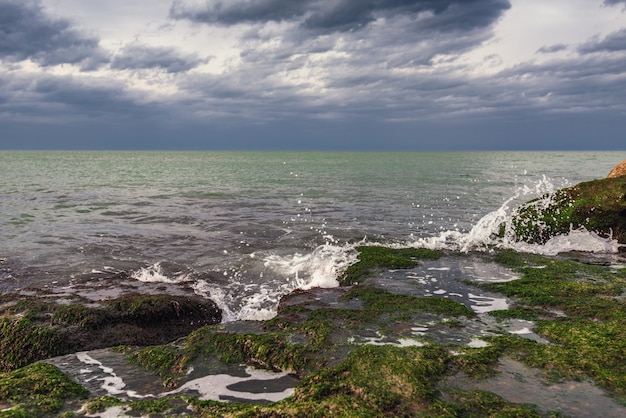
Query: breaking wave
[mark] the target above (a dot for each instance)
(252, 289)
(495, 230)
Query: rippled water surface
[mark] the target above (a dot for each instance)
(245, 228)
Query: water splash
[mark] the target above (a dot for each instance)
(156, 273)
(495, 230)
(252, 289)
(320, 268)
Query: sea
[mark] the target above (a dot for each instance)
(246, 228)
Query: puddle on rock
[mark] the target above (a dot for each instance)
(520, 384)
(376, 338)
(524, 329)
(105, 372)
(256, 386)
(448, 277)
(452, 278)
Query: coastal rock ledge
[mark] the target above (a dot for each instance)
(36, 327)
(599, 206)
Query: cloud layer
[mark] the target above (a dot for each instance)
(343, 15)
(26, 32)
(312, 68)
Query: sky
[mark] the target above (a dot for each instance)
(313, 74)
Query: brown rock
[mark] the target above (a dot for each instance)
(618, 171)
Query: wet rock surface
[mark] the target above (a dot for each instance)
(456, 335)
(524, 385)
(40, 323)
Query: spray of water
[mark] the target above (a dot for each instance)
(495, 230)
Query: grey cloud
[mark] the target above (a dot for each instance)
(27, 32)
(613, 42)
(239, 11)
(69, 92)
(343, 15)
(137, 57)
(45, 98)
(552, 48)
(612, 2)
(583, 85)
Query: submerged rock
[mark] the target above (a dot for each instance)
(599, 206)
(618, 171)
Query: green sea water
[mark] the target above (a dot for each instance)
(254, 225)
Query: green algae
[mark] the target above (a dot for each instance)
(102, 403)
(300, 340)
(378, 301)
(579, 308)
(23, 342)
(375, 381)
(378, 381)
(375, 258)
(39, 389)
(480, 403)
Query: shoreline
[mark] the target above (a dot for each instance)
(343, 338)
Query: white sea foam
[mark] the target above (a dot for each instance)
(215, 387)
(111, 382)
(156, 274)
(483, 304)
(258, 300)
(477, 343)
(319, 268)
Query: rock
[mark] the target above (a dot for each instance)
(34, 328)
(618, 170)
(599, 206)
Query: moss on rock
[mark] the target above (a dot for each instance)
(39, 389)
(23, 342)
(32, 329)
(374, 258)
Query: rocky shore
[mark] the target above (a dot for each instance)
(410, 332)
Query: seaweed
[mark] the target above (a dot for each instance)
(36, 390)
(375, 258)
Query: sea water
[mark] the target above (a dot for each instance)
(245, 228)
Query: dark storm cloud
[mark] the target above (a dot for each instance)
(613, 42)
(239, 11)
(58, 100)
(26, 31)
(343, 15)
(68, 92)
(140, 57)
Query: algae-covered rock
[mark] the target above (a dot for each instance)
(34, 329)
(599, 206)
(37, 390)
